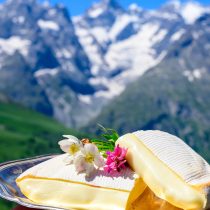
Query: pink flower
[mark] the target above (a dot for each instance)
(115, 160)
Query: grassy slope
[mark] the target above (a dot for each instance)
(24, 133)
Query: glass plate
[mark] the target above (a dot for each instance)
(9, 171)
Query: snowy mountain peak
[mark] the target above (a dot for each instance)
(173, 6)
(81, 65)
(104, 7)
(189, 11)
(176, 4)
(134, 8)
(110, 3)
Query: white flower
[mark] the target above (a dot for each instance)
(70, 145)
(87, 159)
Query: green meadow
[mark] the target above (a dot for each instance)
(25, 133)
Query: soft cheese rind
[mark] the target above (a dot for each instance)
(166, 165)
(176, 154)
(57, 168)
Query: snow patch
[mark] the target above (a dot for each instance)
(93, 13)
(176, 4)
(168, 16)
(121, 22)
(20, 19)
(138, 47)
(163, 15)
(114, 90)
(191, 11)
(85, 99)
(63, 53)
(13, 44)
(100, 34)
(77, 19)
(195, 74)
(141, 57)
(91, 48)
(43, 72)
(160, 35)
(48, 25)
(114, 87)
(134, 8)
(176, 36)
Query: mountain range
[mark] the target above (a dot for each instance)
(172, 96)
(127, 68)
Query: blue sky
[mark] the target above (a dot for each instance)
(79, 6)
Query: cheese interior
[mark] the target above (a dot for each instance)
(71, 195)
(148, 200)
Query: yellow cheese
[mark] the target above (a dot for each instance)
(161, 179)
(149, 201)
(167, 175)
(69, 195)
(136, 192)
(54, 183)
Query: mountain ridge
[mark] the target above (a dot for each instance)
(73, 67)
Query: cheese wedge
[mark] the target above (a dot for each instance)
(167, 175)
(54, 183)
(171, 169)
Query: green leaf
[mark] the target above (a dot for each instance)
(112, 141)
(106, 136)
(107, 140)
(102, 128)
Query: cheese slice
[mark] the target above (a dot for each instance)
(54, 183)
(171, 169)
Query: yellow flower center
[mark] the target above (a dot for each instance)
(89, 158)
(73, 149)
